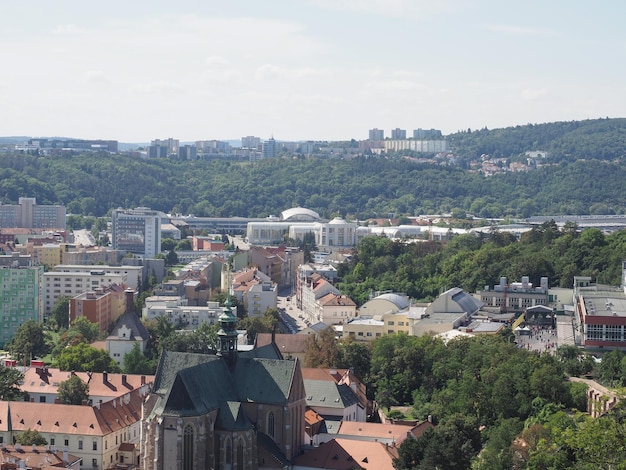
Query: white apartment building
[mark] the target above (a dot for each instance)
(70, 284)
(183, 316)
(132, 275)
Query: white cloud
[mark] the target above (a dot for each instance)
(520, 30)
(532, 94)
(96, 76)
(269, 71)
(394, 8)
(69, 29)
(158, 87)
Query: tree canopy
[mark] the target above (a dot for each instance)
(73, 391)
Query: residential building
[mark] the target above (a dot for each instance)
(516, 297)
(269, 148)
(266, 261)
(27, 214)
(231, 410)
(187, 152)
(347, 454)
(290, 346)
(102, 306)
(398, 134)
(131, 275)
(103, 436)
(182, 315)
(20, 299)
(311, 290)
(376, 134)
(89, 256)
(42, 384)
(37, 458)
(70, 284)
(335, 308)
(250, 142)
(137, 231)
(330, 394)
(425, 146)
(255, 290)
(427, 134)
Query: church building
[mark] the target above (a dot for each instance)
(232, 410)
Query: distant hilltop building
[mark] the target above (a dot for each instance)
(71, 144)
(398, 134)
(27, 214)
(269, 148)
(251, 142)
(427, 134)
(376, 134)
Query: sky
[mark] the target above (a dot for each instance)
(135, 71)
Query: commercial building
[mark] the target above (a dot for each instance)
(20, 299)
(137, 231)
(27, 214)
(516, 297)
(101, 306)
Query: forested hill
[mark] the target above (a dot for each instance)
(602, 139)
(93, 184)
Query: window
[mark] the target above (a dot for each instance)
(94, 463)
(80, 445)
(270, 423)
(390, 323)
(67, 442)
(52, 441)
(94, 445)
(42, 399)
(188, 457)
(240, 454)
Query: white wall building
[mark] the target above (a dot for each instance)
(183, 316)
(70, 284)
(137, 231)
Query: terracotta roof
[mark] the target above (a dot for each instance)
(35, 457)
(47, 380)
(334, 375)
(396, 432)
(126, 447)
(311, 417)
(50, 418)
(348, 454)
(286, 343)
(335, 300)
(73, 419)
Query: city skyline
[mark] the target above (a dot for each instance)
(304, 70)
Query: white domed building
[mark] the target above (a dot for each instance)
(296, 222)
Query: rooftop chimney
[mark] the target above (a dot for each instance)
(105, 377)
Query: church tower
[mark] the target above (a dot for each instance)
(228, 335)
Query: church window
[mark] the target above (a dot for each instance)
(229, 453)
(270, 423)
(188, 458)
(240, 454)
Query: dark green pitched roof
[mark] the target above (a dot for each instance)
(264, 380)
(232, 417)
(194, 384)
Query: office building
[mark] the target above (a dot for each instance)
(250, 142)
(137, 231)
(27, 214)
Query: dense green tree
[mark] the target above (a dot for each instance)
(321, 349)
(10, 384)
(135, 362)
(83, 358)
(61, 312)
(73, 391)
(30, 341)
(31, 438)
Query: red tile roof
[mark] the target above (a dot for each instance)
(348, 454)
